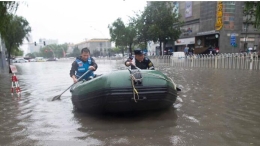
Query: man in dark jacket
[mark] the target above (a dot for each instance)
(139, 60)
(82, 64)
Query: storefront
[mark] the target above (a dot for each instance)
(181, 43)
(249, 43)
(205, 39)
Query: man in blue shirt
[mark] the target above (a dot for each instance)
(82, 64)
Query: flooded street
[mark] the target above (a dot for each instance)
(215, 107)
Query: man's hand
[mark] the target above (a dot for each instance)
(74, 79)
(91, 68)
(128, 63)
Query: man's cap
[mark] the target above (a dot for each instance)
(138, 52)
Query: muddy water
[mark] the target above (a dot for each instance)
(215, 107)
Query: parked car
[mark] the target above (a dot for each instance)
(32, 60)
(52, 59)
(19, 60)
(40, 59)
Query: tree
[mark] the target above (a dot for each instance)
(122, 35)
(75, 52)
(30, 55)
(6, 7)
(252, 14)
(141, 26)
(54, 50)
(252, 10)
(130, 33)
(162, 24)
(17, 30)
(17, 52)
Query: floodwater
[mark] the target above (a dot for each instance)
(215, 107)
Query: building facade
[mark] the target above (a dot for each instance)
(32, 48)
(190, 15)
(214, 23)
(101, 45)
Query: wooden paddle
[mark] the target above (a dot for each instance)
(58, 96)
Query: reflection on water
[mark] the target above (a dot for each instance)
(215, 107)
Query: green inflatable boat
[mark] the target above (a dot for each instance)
(125, 91)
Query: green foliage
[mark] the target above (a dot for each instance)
(130, 33)
(123, 35)
(141, 26)
(16, 31)
(157, 22)
(6, 8)
(163, 24)
(116, 50)
(17, 52)
(30, 55)
(117, 32)
(54, 51)
(36, 54)
(252, 12)
(75, 52)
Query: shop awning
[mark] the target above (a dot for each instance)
(185, 41)
(207, 33)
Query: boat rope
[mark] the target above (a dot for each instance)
(134, 79)
(134, 89)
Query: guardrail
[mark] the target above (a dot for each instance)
(224, 60)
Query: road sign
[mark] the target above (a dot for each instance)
(13, 68)
(233, 44)
(232, 40)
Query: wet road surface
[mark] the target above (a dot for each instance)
(215, 107)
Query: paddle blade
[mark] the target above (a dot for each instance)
(56, 97)
(178, 89)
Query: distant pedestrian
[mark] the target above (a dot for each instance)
(186, 50)
(210, 49)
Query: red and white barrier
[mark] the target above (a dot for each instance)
(15, 85)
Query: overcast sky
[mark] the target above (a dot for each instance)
(73, 21)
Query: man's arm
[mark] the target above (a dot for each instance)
(128, 62)
(150, 64)
(74, 68)
(94, 64)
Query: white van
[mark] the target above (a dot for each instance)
(178, 55)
